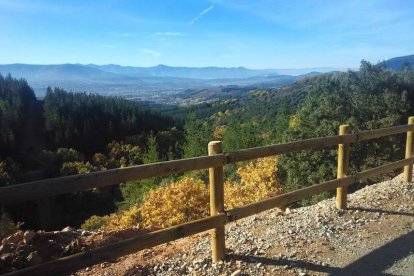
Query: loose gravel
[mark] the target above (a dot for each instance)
(316, 240)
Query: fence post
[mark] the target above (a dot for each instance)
(216, 202)
(408, 170)
(343, 168)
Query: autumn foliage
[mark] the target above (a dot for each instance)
(179, 202)
(188, 199)
(116, 221)
(258, 181)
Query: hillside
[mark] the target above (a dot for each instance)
(241, 103)
(71, 133)
(400, 63)
(372, 237)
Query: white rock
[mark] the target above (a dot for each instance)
(67, 229)
(236, 273)
(28, 236)
(34, 258)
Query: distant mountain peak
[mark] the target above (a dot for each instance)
(162, 66)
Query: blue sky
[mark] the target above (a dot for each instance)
(251, 33)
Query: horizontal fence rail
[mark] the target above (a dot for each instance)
(76, 183)
(291, 197)
(219, 217)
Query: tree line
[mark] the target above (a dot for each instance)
(69, 133)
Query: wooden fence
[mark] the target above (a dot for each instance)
(219, 217)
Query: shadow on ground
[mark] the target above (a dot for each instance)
(386, 212)
(374, 263)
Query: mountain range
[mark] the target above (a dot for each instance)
(159, 82)
(210, 72)
(142, 81)
(113, 72)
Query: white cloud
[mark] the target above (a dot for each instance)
(195, 19)
(150, 52)
(206, 10)
(168, 34)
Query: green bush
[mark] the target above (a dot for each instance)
(7, 225)
(370, 98)
(95, 223)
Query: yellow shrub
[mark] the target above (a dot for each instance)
(181, 201)
(218, 132)
(116, 221)
(77, 167)
(188, 199)
(125, 219)
(293, 122)
(258, 181)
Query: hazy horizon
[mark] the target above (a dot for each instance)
(256, 35)
(105, 64)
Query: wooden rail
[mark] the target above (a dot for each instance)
(287, 198)
(219, 217)
(75, 183)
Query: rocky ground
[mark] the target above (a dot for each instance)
(26, 248)
(374, 236)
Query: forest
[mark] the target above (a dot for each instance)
(70, 133)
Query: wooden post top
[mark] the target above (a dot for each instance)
(214, 143)
(344, 129)
(215, 147)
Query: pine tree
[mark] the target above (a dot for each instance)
(151, 154)
(197, 137)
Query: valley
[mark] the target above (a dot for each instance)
(160, 84)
